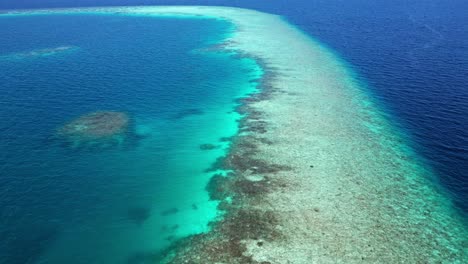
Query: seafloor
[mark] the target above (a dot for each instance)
(319, 175)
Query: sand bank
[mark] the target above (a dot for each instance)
(320, 176)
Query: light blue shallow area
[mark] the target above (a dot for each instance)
(65, 204)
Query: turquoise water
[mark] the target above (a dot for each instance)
(111, 204)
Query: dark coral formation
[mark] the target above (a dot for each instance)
(138, 214)
(186, 113)
(170, 211)
(141, 258)
(208, 146)
(224, 243)
(98, 130)
(29, 245)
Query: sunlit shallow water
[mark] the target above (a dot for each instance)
(114, 203)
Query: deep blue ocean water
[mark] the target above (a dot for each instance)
(413, 56)
(101, 203)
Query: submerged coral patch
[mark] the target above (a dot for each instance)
(187, 113)
(170, 211)
(208, 146)
(138, 215)
(99, 129)
(97, 125)
(29, 247)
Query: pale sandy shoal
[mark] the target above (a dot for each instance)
(367, 197)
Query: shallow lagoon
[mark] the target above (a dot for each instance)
(114, 204)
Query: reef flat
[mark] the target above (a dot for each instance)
(319, 175)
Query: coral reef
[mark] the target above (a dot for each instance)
(138, 215)
(97, 130)
(187, 113)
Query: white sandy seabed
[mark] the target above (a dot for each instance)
(355, 192)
